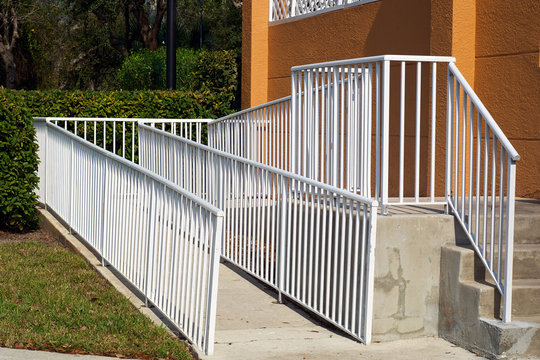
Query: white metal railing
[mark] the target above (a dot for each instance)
(193, 129)
(480, 182)
(310, 241)
(286, 9)
(294, 175)
(119, 135)
(331, 125)
(349, 104)
(161, 238)
(345, 115)
(260, 133)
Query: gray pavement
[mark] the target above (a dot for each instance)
(21, 354)
(251, 324)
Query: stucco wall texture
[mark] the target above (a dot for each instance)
(496, 44)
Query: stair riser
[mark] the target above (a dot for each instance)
(527, 229)
(526, 301)
(527, 264)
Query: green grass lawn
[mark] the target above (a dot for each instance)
(51, 299)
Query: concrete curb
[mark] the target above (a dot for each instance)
(50, 224)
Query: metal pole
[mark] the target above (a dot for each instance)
(171, 44)
(200, 23)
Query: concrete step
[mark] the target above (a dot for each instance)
(527, 222)
(469, 309)
(513, 340)
(527, 261)
(526, 297)
(526, 290)
(527, 319)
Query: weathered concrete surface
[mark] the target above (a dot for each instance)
(251, 324)
(468, 309)
(22, 354)
(407, 269)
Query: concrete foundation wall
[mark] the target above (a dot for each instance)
(407, 274)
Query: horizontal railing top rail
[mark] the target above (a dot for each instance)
(255, 108)
(239, 159)
(170, 185)
(119, 135)
(498, 133)
(144, 120)
(370, 59)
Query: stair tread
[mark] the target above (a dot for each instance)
(527, 318)
(479, 284)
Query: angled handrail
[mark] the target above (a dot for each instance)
(161, 238)
(480, 182)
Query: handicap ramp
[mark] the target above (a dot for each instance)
(251, 324)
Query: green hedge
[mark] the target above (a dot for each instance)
(215, 72)
(18, 168)
(145, 69)
(119, 104)
(126, 104)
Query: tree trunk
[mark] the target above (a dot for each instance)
(126, 27)
(149, 33)
(9, 33)
(10, 69)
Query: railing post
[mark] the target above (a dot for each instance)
(449, 102)
(370, 276)
(71, 190)
(508, 271)
(335, 118)
(150, 233)
(103, 209)
(292, 138)
(385, 135)
(281, 252)
(46, 162)
(213, 285)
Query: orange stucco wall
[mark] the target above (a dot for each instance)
(381, 27)
(507, 79)
(496, 45)
(254, 52)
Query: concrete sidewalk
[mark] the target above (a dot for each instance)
(21, 354)
(251, 324)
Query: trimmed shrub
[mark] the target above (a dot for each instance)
(18, 168)
(120, 104)
(126, 104)
(145, 70)
(213, 72)
(216, 73)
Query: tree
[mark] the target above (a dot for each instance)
(9, 33)
(141, 10)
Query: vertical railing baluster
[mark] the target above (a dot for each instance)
(385, 135)
(508, 271)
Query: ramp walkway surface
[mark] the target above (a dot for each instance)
(252, 324)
